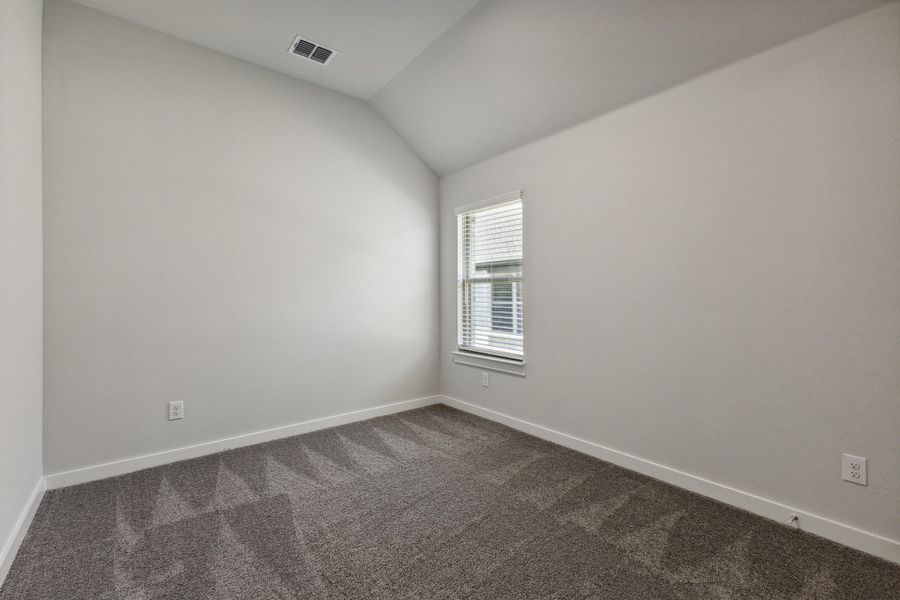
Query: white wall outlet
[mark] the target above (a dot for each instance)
(854, 469)
(485, 379)
(176, 410)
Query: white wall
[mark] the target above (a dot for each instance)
(713, 275)
(20, 261)
(259, 247)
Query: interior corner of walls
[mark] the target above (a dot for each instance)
(381, 116)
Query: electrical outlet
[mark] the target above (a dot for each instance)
(854, 469)
(176, 410)
(485, 379)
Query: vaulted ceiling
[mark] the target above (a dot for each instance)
(463, 80)
(375, 39)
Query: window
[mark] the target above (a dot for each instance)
(490, 283)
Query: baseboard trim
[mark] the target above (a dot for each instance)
(841, 533)
(11, 545)
(155, 459)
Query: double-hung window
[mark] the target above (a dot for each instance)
(490, 284)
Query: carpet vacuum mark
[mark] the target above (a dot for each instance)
(430, 503)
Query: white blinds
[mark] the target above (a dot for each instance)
(490, 284)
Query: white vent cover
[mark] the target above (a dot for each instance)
(311, 50)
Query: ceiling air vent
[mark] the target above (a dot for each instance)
(311, 50)
(321, 55)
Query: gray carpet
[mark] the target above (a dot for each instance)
(431, 503)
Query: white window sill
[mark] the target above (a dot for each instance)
(490, 363)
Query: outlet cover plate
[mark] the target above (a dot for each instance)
(176, 410)
(854, 469)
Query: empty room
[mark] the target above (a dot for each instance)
(449, 299)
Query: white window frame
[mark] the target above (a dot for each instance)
(489, 354)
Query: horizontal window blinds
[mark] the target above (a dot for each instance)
(490, 282)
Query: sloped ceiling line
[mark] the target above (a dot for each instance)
(463, 80)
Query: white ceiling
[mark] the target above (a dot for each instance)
(461, 84)
(512, 71)
(374, 39)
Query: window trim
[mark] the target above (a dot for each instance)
(488, 362)
(487, 203)
(513, 360)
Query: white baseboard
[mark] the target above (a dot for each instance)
(155, 459)
(11, 545)
(839, 532)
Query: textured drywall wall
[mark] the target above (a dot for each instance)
(713, 275)
(20, 259)
(261, 248)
